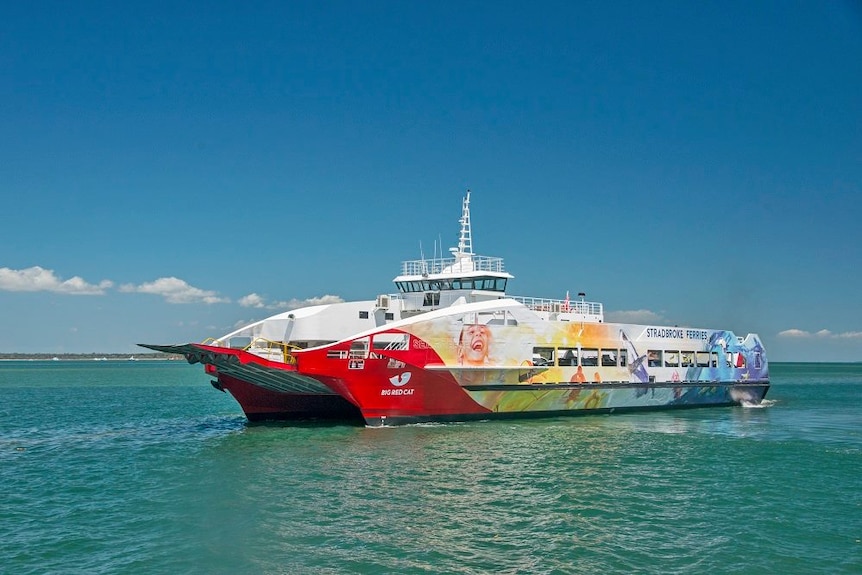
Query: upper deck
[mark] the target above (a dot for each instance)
(459, 265)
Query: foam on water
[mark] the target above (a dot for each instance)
(759, 405)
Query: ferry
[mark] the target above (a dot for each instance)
(451, 345)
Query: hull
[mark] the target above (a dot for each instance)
(421, 370)
(261, 404)
(597, 401)
(427, 400)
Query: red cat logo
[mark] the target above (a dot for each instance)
(399, 380)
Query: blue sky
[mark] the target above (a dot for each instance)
(168, 172)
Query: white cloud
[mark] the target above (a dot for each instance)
(251, 300)
(39, 279)
(793, 333)
(850, 335)
(640, 316)
(297, 303)
(175, 290)
(822, 334)
(256, 301)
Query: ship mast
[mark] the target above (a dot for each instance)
(465, 238)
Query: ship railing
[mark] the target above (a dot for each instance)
(438, 265)
(270, 347)
(560, 305)
(396, 346)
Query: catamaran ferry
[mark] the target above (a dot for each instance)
(450, 345)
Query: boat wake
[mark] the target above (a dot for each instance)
(759, 405)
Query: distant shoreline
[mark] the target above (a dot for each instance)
(149, 356)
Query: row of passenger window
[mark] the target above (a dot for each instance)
(573, 356)
(593, 357)
(676, 358)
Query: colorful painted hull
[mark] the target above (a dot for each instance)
(462, 364)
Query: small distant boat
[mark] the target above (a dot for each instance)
(133, 358)
(452, 346)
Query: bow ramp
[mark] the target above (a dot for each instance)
(271, 375)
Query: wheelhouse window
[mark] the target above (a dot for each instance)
(480, 283)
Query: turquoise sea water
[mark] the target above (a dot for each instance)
(142, 467)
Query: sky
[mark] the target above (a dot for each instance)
(170, 171)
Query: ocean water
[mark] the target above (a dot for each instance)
(142, 467)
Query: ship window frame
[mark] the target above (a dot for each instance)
(589, 356)
(360, 348)
(363, 315)
(623, 358)
(671, 358)
(608, 353)
(564, 361)
(687, 359)
(432, 298)
(655, 357)
(702, 358)
(548, 356)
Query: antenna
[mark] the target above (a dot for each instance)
(422, 256)
(465, 238)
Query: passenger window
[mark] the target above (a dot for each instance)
(687, 359)
(703, 359)
(589, 357)
(609, 358)
(543, 356)
(654, 358)
(624, 354)
(568, 357)
(671, 359)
